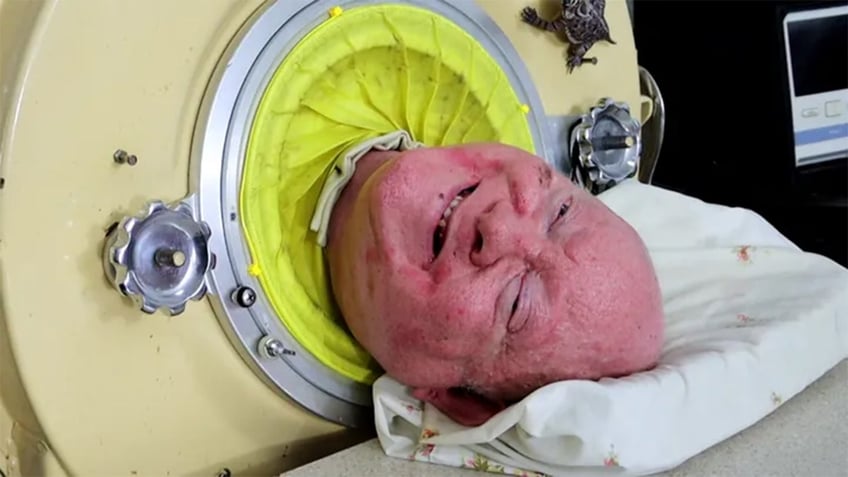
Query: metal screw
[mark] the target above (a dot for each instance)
(274, 348)
(244, 296)
(270, 348)
(123, 157)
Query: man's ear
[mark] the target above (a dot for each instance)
(464, 406)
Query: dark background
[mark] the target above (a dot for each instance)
(812, 45)
(720, 66)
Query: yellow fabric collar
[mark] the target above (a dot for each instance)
(358, 76)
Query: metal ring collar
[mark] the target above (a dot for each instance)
(218, 153)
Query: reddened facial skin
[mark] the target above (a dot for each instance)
(476, 274)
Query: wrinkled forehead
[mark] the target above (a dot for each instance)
(473, 155)
(475, 159)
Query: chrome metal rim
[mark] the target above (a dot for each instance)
(218, 152)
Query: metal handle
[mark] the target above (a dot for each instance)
(654, 128)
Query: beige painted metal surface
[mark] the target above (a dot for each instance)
(615, 75)
(89, 385)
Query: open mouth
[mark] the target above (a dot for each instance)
(441, 231)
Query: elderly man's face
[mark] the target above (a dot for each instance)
(479, 266)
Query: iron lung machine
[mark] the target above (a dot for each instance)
(139, 332)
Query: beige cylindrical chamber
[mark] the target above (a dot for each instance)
(90, 385)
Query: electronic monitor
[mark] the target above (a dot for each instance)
(816, 44)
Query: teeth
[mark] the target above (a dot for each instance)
(443, 223)
(453, 205)
(441, 229)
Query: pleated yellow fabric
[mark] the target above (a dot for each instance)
(365, 72)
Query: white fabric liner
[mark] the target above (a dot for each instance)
(751, 321)
(345, 166)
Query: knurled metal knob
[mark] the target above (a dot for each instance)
(159, 258)
(606, 145)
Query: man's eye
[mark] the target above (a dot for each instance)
(561, 213)
(563, 209)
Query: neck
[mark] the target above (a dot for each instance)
(366, 166)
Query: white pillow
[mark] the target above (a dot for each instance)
(751, 320)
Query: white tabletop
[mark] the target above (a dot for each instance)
(806, 437)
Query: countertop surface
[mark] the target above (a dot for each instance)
(807, 436)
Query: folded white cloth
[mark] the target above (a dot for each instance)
(345, 166)
(751, 321)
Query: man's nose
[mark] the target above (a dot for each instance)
(502, 232)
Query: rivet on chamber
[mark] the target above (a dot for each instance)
(123, 157)
(225, 472)
(244, 296)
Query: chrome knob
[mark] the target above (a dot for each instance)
(159, 258)
(605, 145)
